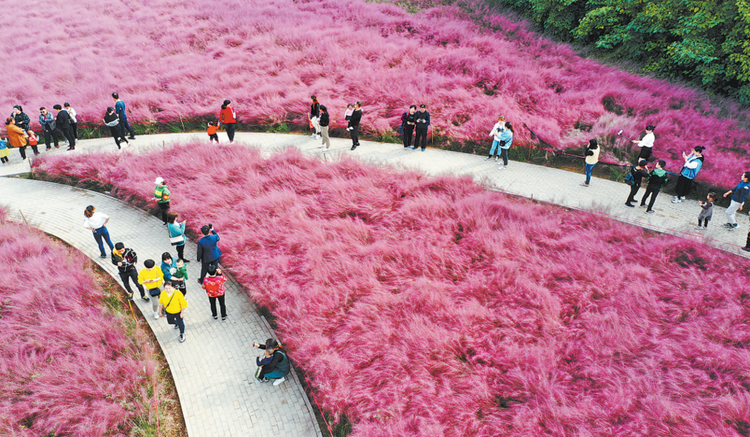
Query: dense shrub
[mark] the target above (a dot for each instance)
(429, 307)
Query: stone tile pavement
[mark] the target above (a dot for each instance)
(213, 370)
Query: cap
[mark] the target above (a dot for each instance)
(159, 180)
(422, 105)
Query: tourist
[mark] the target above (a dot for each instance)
(354, 121)
(707, 211)
(506, 139)
(496, 134)
(4, 151)
(211, 131)
(408, 122)
(278, 367)
(422, 124)
(173, 304)
(162, 196)
(228, 117)
(96, 222)
(167, 269)
(349, 112)
(314, 116)
(656, 179)
(48, 127)
(115, 129)
(646, 143)
(637, 173)
(152, 278)
(16, 136)
(123, 116)
(125, 259)
(180, 276)
(325, 121)
(62, 123)
(693, 164)
(177, 234)
(22, 120)
(32, 140)
(208, 250)
(73, 119)
(739, 194)
(592, 157)
(214, 286)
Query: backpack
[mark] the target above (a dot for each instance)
(629, 178)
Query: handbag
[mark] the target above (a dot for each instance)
(178, 240)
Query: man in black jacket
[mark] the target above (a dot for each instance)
(125, 260)
(353, 127)
(63, 125)
(423, 122)
(639, 172)
(408, 121)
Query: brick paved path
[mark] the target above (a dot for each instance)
(213, 370)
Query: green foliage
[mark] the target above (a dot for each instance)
(704, 42)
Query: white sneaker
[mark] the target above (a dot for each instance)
(279, 381)
(496, 159)
(700, 228)
(156, 315)
(325, 150)
(676, 199)
(501, 168)
(182, 338)
(321, 146)
(487, 158)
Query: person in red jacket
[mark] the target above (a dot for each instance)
(228, 118)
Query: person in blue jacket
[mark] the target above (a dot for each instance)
(423, 123)
(47, 120)
(693, 164)
(506, 138)
(208, 250)
(739, 194)
(120, 109)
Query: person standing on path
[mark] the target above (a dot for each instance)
(506, 139)
(496, 134)
(646, 143)
(173, 304)
(177, 229)
(125, 259)
(693, 164)
(62, 122)
(656, 179)
(325, 121)
(123, 116)
(228, 118)
(422, 124)
(16, 136)
(162, 196)
(167, 266)
(96, 222)
(180, 277)
(214, 286)
(707, 211)
(739, 194)
(48, 127)
(408, 122)
(315, 116)
(637, 173)
(353, 127)
(22, 120)
(152, 278)
(33, 140)
(73, 119)
(592, 157)
(208, 250)
(113, 122)
(4, 151)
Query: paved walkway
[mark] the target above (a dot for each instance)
(528, 180)
(213, 370)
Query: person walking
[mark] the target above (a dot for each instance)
(172, 303)
(48, 127)
(126, 259)
(16, 136)
(353, 127)
(592, 158)
(496, 134)
(739, 194)
(646, 143)
(656, 179)
(693, 164)
(22, 120)
(278, 367)
(113, 123)
(152, 278)
(228, 117)
(637, 173)
(96, 222)
(177, 234)
(162, 196)
(62, 121)
(422, 124)
(214, 286)
(707, 211)
(123, 116)
(315, 116)
(208, 250)
(73, 119)
(408, 122)
(325, 121)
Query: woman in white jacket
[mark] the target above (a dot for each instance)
(496, 132)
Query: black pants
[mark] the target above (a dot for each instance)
(74, 128)
(222, 305)
(644, 154)
(633, 190)
(125, 127)
(355, 136)
(22, 151)
(181, 252)
(408, 135)
(420, 139)
(703, 222)
(132, 274)
(116, 132)
(68, 134)
(50, 134)
(163, 210)
(214, 137)
(650, 191)
(231, 128)
(175, 319)
(204, 268)
(683, 186)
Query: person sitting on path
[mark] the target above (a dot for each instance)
(123, 116)
(152, 278)
(353, 127)
(693, 164)
(208, 250)
(496, 134)
(423, 123)
(637, 173)
(739, 194)
(707, 211)
(646, 143)
(96, 222)
(228, 117)
(4, 151)
(177, 234)
(113, 123)
(214, 286)
(592, 157)
(408, 122)
(173, 305)
(16, 136)
(47, 121)
(125, 259)
(656, 179)
(278, 367)
(162, 196)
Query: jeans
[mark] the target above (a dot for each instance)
(324, 135)
(175, 319)
(50, 134)
(125, 126)
(204, 268)
(633, 190)
(493, 149)
(653, 192)
(231, 128)
(589, 167)
(103, 234)
(504, 154)
(163, 210)
(131, 275)
(733, 207)
(223, 307)
(408, 135)
(420, 139)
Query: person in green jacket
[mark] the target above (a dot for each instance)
(656, 179)
(162, 194)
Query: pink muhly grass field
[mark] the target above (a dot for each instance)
(431, 307)
(176, 60)
(67, 366)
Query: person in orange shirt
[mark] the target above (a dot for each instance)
(16, 136)
(212, 135)
(228, 118)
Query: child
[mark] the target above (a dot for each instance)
(152, 278)
(33, 140)
(656, 180)
(211, 131)
(349, 112)
(214, 286)
(707, 211)
(4, 151)
(180, 277)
